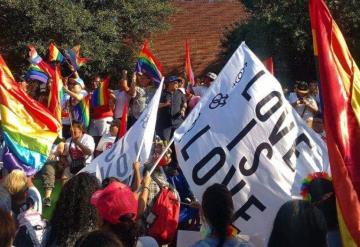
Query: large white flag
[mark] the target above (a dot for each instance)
(244, 134)
(118, 160)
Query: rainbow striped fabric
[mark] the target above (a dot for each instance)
(54, 54)
(56, 95)
(74, 56)
(81, 111)
(100, 95)
(36, 73)
(340, 90)
(148, 64)
(29, 128)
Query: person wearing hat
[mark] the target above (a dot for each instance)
(107, 140)
(118, 209)
(303, 103)
(171, 109)
(202, 89)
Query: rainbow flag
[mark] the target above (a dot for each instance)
(148, 64)
(340, 84)
(100, 95)
(74, 56)
(54, 54)
(35, 73)
(188, 70)
(82, 111)
(29, 128)
(35, 59)
(56, 95)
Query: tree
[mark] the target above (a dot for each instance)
(281, 29)
(109, 31)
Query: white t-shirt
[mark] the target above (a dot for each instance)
(105, 142)
(305, 113)
(121, 98)
(76, 153)
(66, 120)
(200, 90)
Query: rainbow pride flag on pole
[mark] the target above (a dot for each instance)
(74, 56)
(340, 84)
(29, 128)
(36, 73)
(56, 95)
(148, 64)
(54, 54)
(188, 70)
(81, 111)
(100, 96)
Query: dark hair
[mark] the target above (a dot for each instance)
(108, 181)
(298, 223)
(74, 215)
(7, 229)
(323, 197)
(218, 209)
(78, 124)
(127, 230)
(98, 239)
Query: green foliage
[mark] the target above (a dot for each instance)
(109, 31)
(281, 29)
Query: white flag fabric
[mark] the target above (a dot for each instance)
(243, 133)
(117, 161)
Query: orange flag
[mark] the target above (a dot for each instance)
(340, 83)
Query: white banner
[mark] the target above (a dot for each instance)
(117, 161)
(244, 134)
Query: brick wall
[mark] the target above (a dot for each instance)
(203, 24)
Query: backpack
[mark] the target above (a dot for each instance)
(31, 229)
(163, 219)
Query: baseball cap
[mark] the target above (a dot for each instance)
(115, 201)
(172, 78)
(211, 75)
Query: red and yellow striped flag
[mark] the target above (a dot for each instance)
(56, 95)
(340, 83)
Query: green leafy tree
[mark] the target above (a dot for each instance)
(109, 31)
(281, 29)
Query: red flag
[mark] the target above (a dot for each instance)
(269, 65)
(188, 70)
(340, 83)
(123, 123)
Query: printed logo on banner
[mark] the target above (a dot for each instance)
(257, 145)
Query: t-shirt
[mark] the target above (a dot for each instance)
(121, 98)
(140, 101)
(65, 112)
(200, 90)
(105, 142)
(75, 151)
(304, 112)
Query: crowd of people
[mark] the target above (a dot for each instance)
(121, 213)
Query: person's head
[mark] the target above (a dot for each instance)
(171, 83)
(108, 181)
(143, 80)
(117, 207)
(76, 84)
(302, 89)
(157, 149)
(181, 83)
(318, 125)
(16, 183)
(298, 223)
(318, 190)
(74, 213)
(209, 78)
(98, 239)
(77, 129)
(114, 127)
(218, 209)
(7, 229)
(96, 82)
